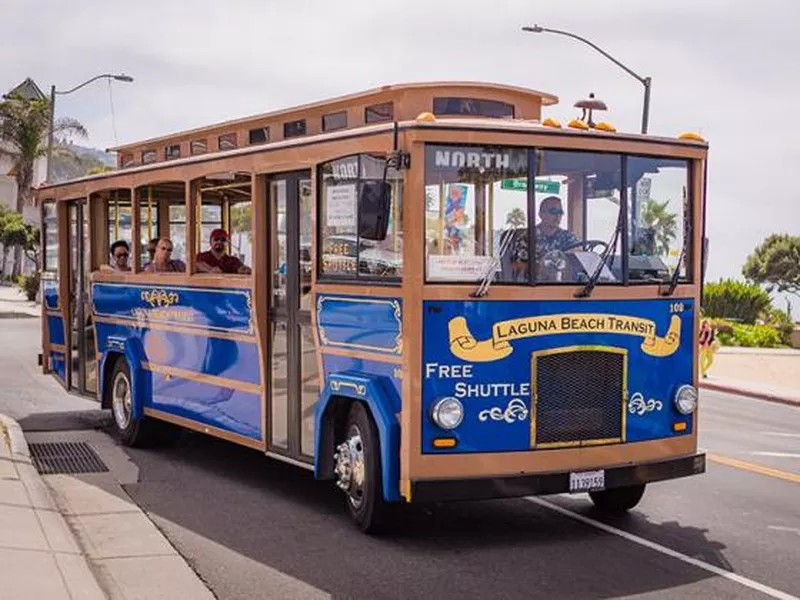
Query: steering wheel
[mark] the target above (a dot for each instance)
(588, 245)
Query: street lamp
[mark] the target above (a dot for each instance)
(645, 81)
(51, 127)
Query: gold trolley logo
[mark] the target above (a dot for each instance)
(464, 345)
(160, 297)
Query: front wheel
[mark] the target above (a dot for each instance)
(358, 471)
(132, 431)
(618, 500)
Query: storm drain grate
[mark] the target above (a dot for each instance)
(65, 457)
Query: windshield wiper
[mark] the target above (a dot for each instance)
(676, 275)
(610, 249)
(506, 237)
(673, 283)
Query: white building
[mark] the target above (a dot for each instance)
(8, 184)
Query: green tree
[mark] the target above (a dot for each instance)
(655, 215)
(516, 218)
(24, 125)
(775, 263)
(735, 300)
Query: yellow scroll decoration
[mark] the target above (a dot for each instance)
(464, 345)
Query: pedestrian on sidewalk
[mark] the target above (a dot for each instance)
(708, 346)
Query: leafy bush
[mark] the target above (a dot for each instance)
(735, 300)
(780, 322)
(29, 285)
(749, 336)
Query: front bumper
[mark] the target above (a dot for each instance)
(445, 490)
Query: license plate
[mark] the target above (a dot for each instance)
(587, 481)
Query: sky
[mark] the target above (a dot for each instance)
(726, 69)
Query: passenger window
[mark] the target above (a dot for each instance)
(344, 250)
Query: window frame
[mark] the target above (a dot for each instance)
(380, 119)
(687, 224)
(339, 113)
(194, 144)
(357, 278)
(462, 99)
(146, 154)
(176, 154)
(265, 130)
(44, 230)
(288, 129)
(226, 138)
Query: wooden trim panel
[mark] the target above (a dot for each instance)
(207, 429)
(232, 384)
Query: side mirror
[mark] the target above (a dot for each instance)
(375, 202)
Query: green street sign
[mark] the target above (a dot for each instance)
(521, 185)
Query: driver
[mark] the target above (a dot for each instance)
(549, 236)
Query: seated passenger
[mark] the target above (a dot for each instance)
(151, 249)
(162, 263)
(120, 251)
(216, 260)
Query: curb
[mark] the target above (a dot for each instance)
(728, 389)
(77, 577)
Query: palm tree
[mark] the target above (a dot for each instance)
(655, 215)
(24, 127)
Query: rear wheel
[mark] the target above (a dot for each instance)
(133, 431)
(358, 471)
(618, 500)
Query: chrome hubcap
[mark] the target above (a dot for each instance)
(121, 400)
(349, 467)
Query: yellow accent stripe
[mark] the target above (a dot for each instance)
(233, 384)
(754, 467)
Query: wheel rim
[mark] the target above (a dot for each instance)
(121, 400)
(350, 467)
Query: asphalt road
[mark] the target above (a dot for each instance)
(253, 527)
(239, 518)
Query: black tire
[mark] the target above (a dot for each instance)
(618, 500)
(370, 512)
(134, 432)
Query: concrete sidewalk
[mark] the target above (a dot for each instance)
(39, 556)
(80, 536)
(13, 304)
(763, 373)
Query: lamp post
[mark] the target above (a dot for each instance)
(645, 81)
(51, 126)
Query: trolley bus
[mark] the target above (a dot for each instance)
(433, 293)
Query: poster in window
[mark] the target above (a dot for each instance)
(340, 206)
(455, 215)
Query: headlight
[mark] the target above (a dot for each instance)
(686, 399)
(447, 413)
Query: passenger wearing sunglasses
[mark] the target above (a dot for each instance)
(120, 253)
(163, 261)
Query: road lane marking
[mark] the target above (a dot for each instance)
(781, 434)
(781, 528)
(754, 585)
(754, 467)
(778, 454)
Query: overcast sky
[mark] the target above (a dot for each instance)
(729, 69)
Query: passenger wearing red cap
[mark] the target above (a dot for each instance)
(216, 260)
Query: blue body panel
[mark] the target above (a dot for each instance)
(50, 293)
(197, 312)
(360, 323)
(467, 345)
(55, 328)
(373, 328)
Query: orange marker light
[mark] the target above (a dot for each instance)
(444, 443)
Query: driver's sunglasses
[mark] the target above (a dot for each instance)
(555, 211)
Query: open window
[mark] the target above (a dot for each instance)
(224, 202)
